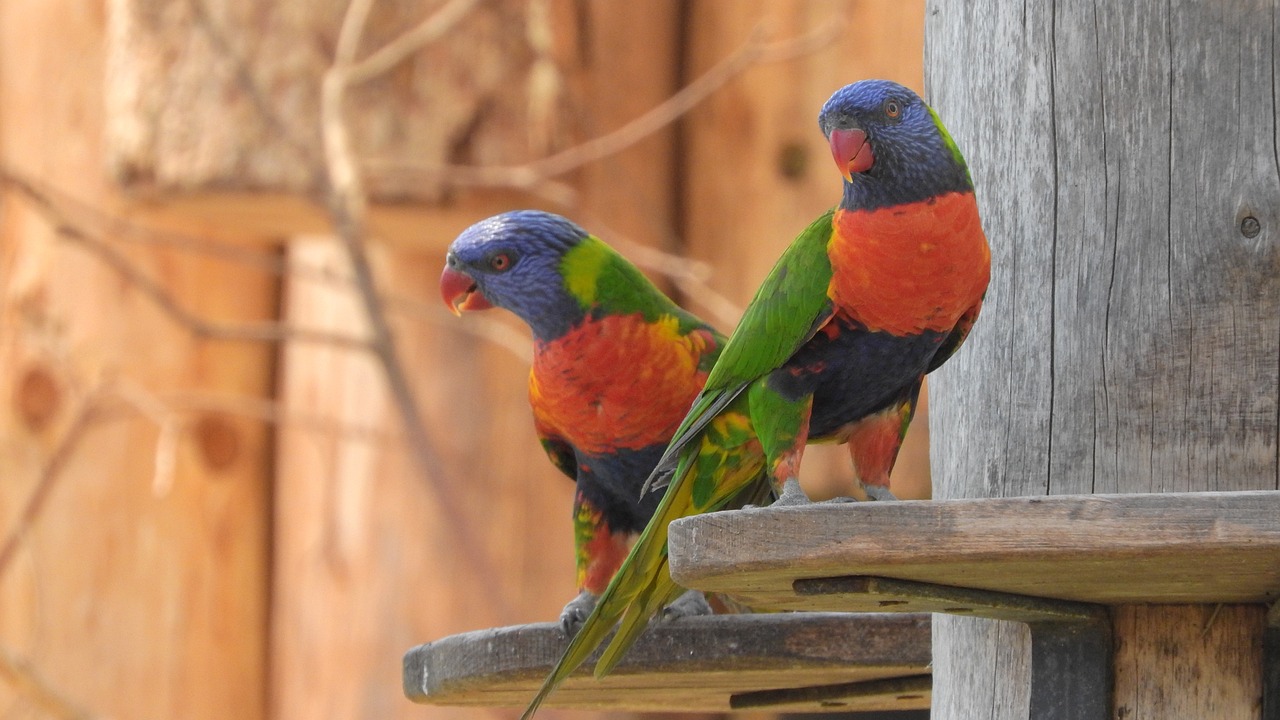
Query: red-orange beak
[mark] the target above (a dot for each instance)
(851, 151)
(459, 292)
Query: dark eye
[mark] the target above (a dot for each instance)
(892, 108)
(500, 262)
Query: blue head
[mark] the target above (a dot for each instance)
(514, 261)
(890, 146)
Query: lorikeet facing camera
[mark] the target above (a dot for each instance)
(616, 365)
(868, 299)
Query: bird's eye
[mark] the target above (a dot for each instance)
(500, 262)
(892, 108)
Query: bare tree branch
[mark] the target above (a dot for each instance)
(393, 53)
(254, 332)
(524, 176)
(347, 205)
(257, 332)
(85, 417)
(253, 89)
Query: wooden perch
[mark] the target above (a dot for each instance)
(1110, 549)
(792, 661)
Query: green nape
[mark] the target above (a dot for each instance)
(599, 277)
(951, 145)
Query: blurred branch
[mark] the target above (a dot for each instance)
(393, 53)
(88, 413)
(252, 88)
(755, 51)
(258, 332)
(30, 684)
(536, 176)
(347, 204)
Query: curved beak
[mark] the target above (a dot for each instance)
(460, 293)
(851, 151)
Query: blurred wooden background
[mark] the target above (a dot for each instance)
(210, 506)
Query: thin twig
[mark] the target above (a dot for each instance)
(28, 683)
(253, 332)
(524, 176)
(253, 89)
(347, 206)
(63, 209)
(273, 413)
(393, 53)
(85, 417)
(165, 459)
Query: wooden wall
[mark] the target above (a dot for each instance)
(200, 524)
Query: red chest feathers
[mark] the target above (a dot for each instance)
(618, 382)
(912, 267)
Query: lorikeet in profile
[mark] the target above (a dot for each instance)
(616, 365)
(867, 300)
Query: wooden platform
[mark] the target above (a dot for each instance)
(787, 661)
(1110, 549)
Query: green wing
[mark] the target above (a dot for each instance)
(788, 308)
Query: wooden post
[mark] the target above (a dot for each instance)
(1125, 162)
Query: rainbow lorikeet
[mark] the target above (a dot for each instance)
(868, 299)
(616, 365)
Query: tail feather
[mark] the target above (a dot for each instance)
(716, 468)
(661, 593)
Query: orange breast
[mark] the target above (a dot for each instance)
(910, 268)
(618, 382)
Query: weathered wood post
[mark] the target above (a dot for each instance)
(1126, 161)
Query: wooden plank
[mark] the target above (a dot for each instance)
(693, 664)
(758, 170)
(140, 590)
(1128, 342)
(1157, 548)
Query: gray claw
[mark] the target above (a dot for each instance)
(878, 492)
(575, 612)
(690, 603)
(792, 494)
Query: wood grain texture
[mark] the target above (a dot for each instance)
(759, 170)
(1128, 342)
(1160, 664)
(694, 664)
(137, 593)
(1113, 549)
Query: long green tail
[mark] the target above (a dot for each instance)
(715, 468)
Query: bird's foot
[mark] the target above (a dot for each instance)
(878, 492)
(576, 611)
(792, 495)
(692, 602)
